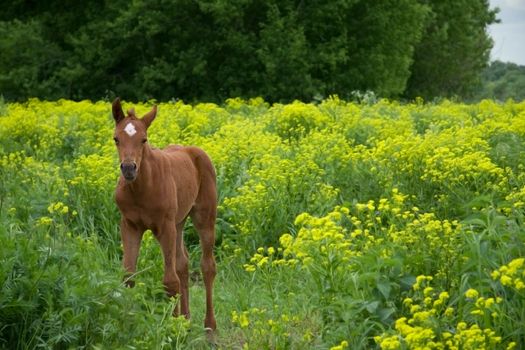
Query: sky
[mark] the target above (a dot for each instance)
(509, 35)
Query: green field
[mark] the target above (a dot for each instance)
(340, 225)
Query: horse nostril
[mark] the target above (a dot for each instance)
(128, 166)
(129, 169)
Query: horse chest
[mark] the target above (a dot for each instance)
(145, 211)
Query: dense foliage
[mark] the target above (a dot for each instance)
(211, 50)
(502, 81)
(340, 225)
(454, 51)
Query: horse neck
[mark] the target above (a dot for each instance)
(144, 178)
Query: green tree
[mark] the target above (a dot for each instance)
(454, 50)
(503, 81)
(28, 61)
(212, 50)
(280, 50)
(385, 34)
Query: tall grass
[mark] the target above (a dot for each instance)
(340, 225)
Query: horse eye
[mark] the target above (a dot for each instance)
(116, 140)
(144, 140)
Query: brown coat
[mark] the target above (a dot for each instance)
(158, 190)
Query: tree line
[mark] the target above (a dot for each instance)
(502, 81)
(209, 50)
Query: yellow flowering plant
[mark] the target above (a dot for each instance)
(341, 225)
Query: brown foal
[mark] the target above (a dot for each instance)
(158, 190)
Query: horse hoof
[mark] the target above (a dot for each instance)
(129, 283)
(211, 336)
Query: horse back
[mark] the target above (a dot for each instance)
(198, 157)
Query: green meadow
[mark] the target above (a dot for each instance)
(340, 225)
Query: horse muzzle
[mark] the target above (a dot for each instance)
(129, 170)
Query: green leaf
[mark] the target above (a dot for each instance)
(407, 281)
(385, 287)
(385, 313)
(371, 307)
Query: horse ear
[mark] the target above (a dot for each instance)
(118, 113)
(148, 117)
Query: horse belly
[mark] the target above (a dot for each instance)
(184, 182)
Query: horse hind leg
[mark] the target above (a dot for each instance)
(203, 218)
(183, 271)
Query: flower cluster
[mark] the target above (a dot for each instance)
(512, 275)
(266, 257)
(265, 328)
(58, 207)
(295, 120)
(432, 321)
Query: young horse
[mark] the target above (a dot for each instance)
(158, 190)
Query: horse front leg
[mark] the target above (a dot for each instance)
(131, 236)
(167, 237)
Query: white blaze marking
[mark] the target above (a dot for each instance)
(130, 129)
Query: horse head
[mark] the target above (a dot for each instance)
(130, 138)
